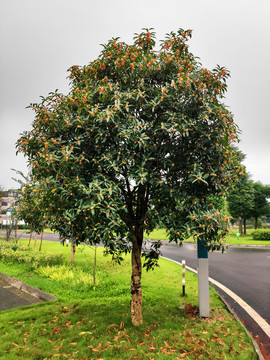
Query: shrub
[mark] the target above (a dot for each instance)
(12, 252)
(67, 275)
(261, 234)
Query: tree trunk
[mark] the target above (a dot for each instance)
(16, 225)
(8, 232)
(40, 246)
(95, 265)
(30, 238)
(245, 226)
(256, 222)
(35, 243)
(73, 249)
(136, 290)
(240, 225)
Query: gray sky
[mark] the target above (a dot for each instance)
(41, 39)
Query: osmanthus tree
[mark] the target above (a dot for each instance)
(142, 138)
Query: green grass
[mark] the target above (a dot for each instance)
(245, 239)
(160, 234)
(95, 324)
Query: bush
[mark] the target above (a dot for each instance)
(261, 234)
(66, 274)
(12, 252)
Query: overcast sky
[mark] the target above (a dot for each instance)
(41, 39)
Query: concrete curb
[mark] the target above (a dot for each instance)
(39, 294)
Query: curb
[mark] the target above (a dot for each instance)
(250, 246)
(39, 294)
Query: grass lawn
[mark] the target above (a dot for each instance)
(95, 324)
(160, 234)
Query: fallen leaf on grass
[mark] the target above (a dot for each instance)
(60, 347)
(56, 330)
(220, 342)
(182, 356)
(112, 325)
(151, 347)
(122, 325)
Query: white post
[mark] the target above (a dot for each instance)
(183, 277)
(203, 281)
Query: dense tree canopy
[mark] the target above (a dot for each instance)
(241, 201)
(142, 138)
(261, 205)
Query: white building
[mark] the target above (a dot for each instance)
(8, 201)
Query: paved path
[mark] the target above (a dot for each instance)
(12, 297)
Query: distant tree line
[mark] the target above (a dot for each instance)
(248, 200)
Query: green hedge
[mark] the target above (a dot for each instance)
(261, 234)
(12, 252)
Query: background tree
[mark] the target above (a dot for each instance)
(261, 205)
(141, 139)
(241, 202)
(31, 209)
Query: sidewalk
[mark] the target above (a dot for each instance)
(14, 293)
(11, 297)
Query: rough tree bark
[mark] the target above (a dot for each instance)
(136, 289)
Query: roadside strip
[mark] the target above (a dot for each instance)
(252, 313)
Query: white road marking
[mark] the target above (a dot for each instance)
(255, 316)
